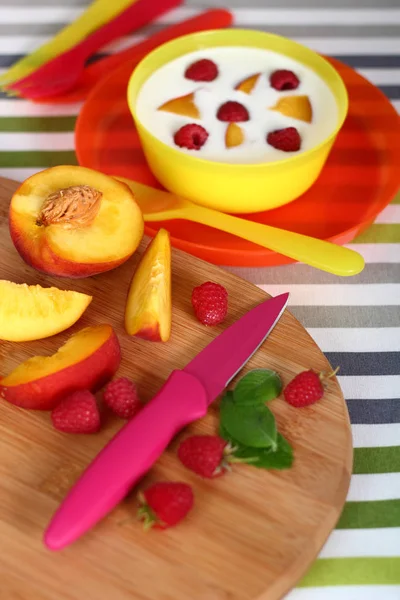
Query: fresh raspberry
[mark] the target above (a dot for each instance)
(210, 303)
(77, 413)
(306, 388)
(121, 396)
(165, 504)
(284, 80)
(202, 70)
(287, 140)
(191, 136)
(206, 455)
(233, 112)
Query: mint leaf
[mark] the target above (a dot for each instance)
(281, 459)
(252, 426)
(262, 458)
(257, 387)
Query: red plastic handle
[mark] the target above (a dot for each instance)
(210, 19)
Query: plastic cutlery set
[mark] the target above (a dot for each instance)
(63, 72)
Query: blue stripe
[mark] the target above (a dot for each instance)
(365, 363)
(373, 412)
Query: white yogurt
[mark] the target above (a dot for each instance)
(236, 64)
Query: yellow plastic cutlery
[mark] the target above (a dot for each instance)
(158, 205)
(96, 15)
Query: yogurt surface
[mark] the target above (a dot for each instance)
(236, 64)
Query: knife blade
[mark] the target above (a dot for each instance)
(184, 398)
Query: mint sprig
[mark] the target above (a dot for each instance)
(257, 387)
(253, 426)
(262, 458)
(249, 425)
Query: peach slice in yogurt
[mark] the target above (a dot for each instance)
(234, 135)
(247, 85)
(183, 105)
(296, 107)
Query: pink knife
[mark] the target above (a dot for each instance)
(184, 398)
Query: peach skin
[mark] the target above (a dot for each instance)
(148, 312)
(74, 222)
(86, 361)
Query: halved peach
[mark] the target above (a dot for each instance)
(297, 107)
(234, 135)
(74, 222)
(247, 85)
(183, 105)
(31, 312)
(86, 361)
(148, 309)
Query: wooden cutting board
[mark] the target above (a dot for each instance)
(252, 533)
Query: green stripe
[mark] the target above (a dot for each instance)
(353, 571)
(376, 460)
(38, 159)
(396, 199)
(367, 515)
(380, 233)
(37, 124)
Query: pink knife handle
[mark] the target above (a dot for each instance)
(127, 457)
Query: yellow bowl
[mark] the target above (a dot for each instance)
(235, 188)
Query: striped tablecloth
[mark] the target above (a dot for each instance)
(356, 322)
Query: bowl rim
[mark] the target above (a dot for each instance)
(235, 32)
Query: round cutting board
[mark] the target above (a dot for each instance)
(252, 533)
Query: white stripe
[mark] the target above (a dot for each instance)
(24, 108)
(243, 16)
(376, 436)
(381, 76)
(369, 387)
(9, 14)
(336, 46)
(351, 339)
(390, 214)
(376, 253)
(374, 294)
(17, 174)
(396, 104)
(377, 486)
(37, 141)
(322, 16)
(344, 543)
(346, 592)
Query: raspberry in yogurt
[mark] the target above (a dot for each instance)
(241, 96)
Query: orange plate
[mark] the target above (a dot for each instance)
(358, 181)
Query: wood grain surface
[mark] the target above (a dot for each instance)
(252, 533)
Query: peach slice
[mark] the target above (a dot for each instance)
(184, 105)
(31, 312)
(86, 361)
(234, 135)
(148, 309)
(297, 107)
(74, 222)
(248, 84)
